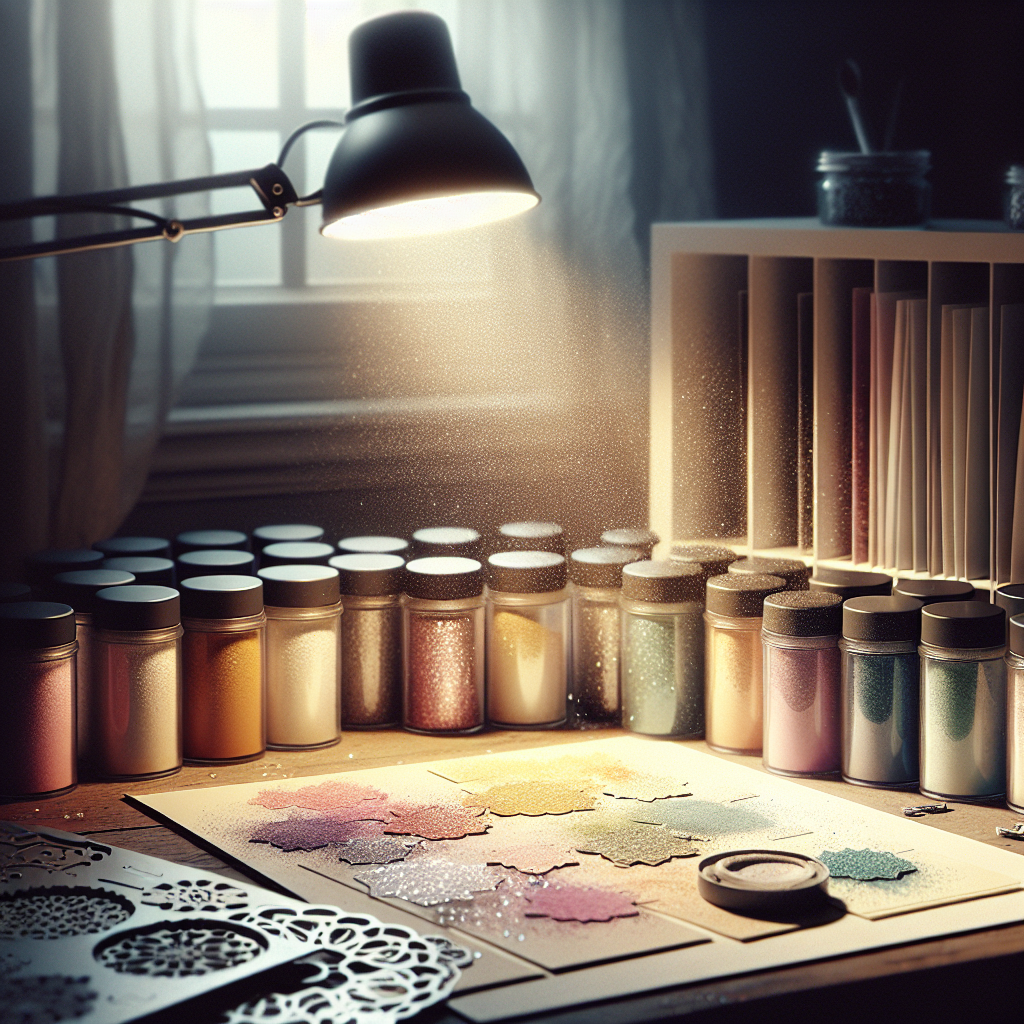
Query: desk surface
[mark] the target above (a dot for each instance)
(973, 974)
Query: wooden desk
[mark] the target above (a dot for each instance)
(965, 975)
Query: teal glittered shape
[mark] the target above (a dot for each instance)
(866, 865)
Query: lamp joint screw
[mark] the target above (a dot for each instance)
(278, 188)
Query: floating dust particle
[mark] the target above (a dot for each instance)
(533, 798)
(866, 865)
(428, 882)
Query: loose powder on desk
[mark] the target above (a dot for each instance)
(371, 666)
(733, 698)
(222, 694)
(303, 688)
(443, 692)
(526, 671)
(595, 683)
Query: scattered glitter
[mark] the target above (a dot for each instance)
(575, 903)
(325, 796)
(314, 833)
(696, 818)
(533, 798)
(383, 850)
(866, 865)
(428, 882)
(438, 822)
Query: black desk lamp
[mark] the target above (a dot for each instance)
(415, 158)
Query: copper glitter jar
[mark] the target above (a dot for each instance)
(443, 645)
(136, 677)
(528, 638)
(371, 639)
(223, 668)
(37, 672)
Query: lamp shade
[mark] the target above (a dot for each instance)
(415, 157)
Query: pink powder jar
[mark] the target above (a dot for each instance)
(38, 747)
(802, 677)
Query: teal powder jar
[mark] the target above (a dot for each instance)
(963, 701)
(663, 649)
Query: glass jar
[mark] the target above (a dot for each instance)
(116, 547)
(1010, 597)
(933, 591)
(531, 536)
(638, 538)
(223, 669)
(79, 589)
(733, 698)
(874, 190)
(371, 639)
(528, 639)
(1015, 716)
(663, 649)
(136, 677)
(850, 583)
(881, 702)
(374, 545)
(284, 533)
(442, 541)
(222, 540)
(303, 606)
(800, 637)
(794, 573)
(44, 565)
(963, 701)
(596, 575)
(215, 562)
(148, 570)
(37, 674)
(712, 559)
(1013, 197)
(296, 553)
(443, 645)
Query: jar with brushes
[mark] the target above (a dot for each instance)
(792, 571)
(79, 589)
(712, 559)
(215, 562)
(528, 639)
(963, 701)
(148, 570)
(373, 544)
(881, 692)
(296, 553)
(848, 583)
(223, 669)
(1015, 716)
(800, 636)
(42, 566)
(596, 575)
(371, 639)
(530, 536)
(439, 541)
(638, 538)
(136, 677)
(733, 698)
(285, 533)
(118, 547)
(443, 645)
(196, 540)
(1013, 197)
(932, 591)
(874, 190)
(303, 608)
(663, 648)
(37, 676)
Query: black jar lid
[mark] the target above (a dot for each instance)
(14, 592)
(79, 589)
(601, 567)
(803, 613)
(373, 545)
(631, 537)
(300, 586)
(114, 547)
(221, 597)
(284, 533)
(713, 559)
(663, 581)
(531, 536)
(894, 619)
(1017, 635)
(215, 562)
(792, 570)
(145, 568)
(1010, 597)
(963, 624)
(741, 596)
(369, 574)
(195, 540)
(43, 565)
(929, 591)
(444, 578)
(137, 607)
(446, 540)
(296, 553)
(31, 625)
(849, 583)
(526, 572)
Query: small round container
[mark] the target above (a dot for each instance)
(211, 562)
(638, 538)
(296, 553)
(848, 583)
(79, 589)
(196, 540)
(223, 668)
(14, 592)
(800, 636)
(874, 190)
(531, 536)
(438, 541)
(285, 533)
(792, 571)
(733, 697)
(1015, 716)
(1013, 197)
(933, 591)
(136, 677)
(116, 547)
(374, 545)
(371, 639)
(528, 639)
(37, 678)
(1010, 597)
(963, 701)
(147, 569)
(596, 575)
(880, 699)
(443, 645)
(44, 565)
(663, 648)
(303, 607)
(712, 559)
